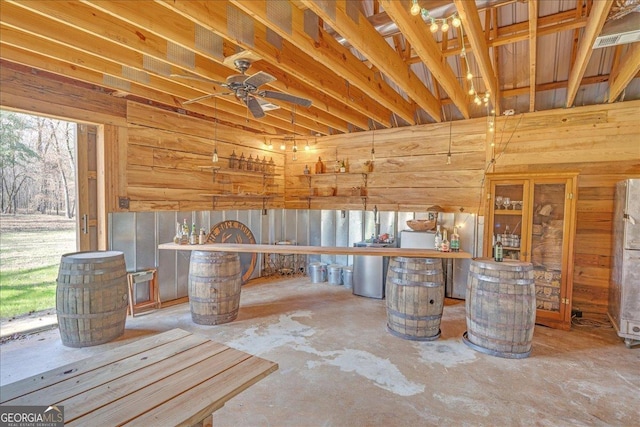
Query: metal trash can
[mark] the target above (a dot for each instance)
(335, 274)
(318, 272)
(347, 277)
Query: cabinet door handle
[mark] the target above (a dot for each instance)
(85, 228)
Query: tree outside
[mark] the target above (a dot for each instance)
(37, 209)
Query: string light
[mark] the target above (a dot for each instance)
(436, 24)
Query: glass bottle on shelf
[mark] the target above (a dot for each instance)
(265, 165)
(343, 167)
(233, 160)
(272, 165)
(455, 240)
(444, 246)
(319, 166)
(497, 250)
(306, 169)
(438, 238)
(250, 163)
(242, 163)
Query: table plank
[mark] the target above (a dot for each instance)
(316, 250)
(121, 410)
(27, 385)
(134, 371)
(209, 396)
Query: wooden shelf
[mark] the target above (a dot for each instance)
(227, 171)
(241, 196)
(506, 212)
(312, 175)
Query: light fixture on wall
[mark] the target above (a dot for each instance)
(214, 158)
(268, 144)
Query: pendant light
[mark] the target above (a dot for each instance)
(214, 158)
(449, 152)
(373, 136)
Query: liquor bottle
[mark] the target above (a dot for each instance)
(438, 238)
(193, 237)
(343, 167)
(455, 240)
(498, 256)
(250, 163)
(306, 169)
(444, 246)
(319, 166)
(233, 160)
(185, 227)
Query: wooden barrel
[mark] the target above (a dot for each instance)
(91, 297)
(415, 298)
(215, 280)
(500, 307)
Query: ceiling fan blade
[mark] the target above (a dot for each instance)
(286, 97)
(200, 79)
(258, 79)
(254, 106)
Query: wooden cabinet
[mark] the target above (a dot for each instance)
(534, 214)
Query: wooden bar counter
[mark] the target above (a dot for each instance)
(316, 250)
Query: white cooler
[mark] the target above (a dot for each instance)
(418, 239)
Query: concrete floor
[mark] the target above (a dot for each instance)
(340, 367)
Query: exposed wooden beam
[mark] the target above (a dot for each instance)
(214, 17)
(110, 56)
(509, 93)
(597, 18)
(329, 52)
(533, 44)
(473, 28)
(182, 32)
(622, 75)
(366, 39)
(496, 53)
(413, 28)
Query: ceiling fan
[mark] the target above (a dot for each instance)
(247, 89)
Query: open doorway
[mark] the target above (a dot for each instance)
(38, 209)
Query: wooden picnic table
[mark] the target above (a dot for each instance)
(172, 378)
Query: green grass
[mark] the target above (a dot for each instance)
(27, 290)
(30, 251)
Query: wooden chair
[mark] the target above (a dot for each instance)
(150, 276)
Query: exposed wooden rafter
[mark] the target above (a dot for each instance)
(364, 37)
(628, 68)
(597, 18)
(414, 30)
(533, 45)
(473, 28)
(327, 51)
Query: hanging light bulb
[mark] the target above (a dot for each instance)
(455, 21)
(445, 26)
(214, 158)
(283, 145)
(373, 150)
(434, 26)
(295, 151)
(306, 147)
(469, 75)
(449, 158)
(471, 90)
(270, 145)
(415, 8)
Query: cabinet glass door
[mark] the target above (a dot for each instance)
(547, 243)
(507, 218)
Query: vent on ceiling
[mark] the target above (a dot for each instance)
(619, 31)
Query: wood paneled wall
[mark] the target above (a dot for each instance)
(169, 164)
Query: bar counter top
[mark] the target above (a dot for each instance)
(319, 250)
